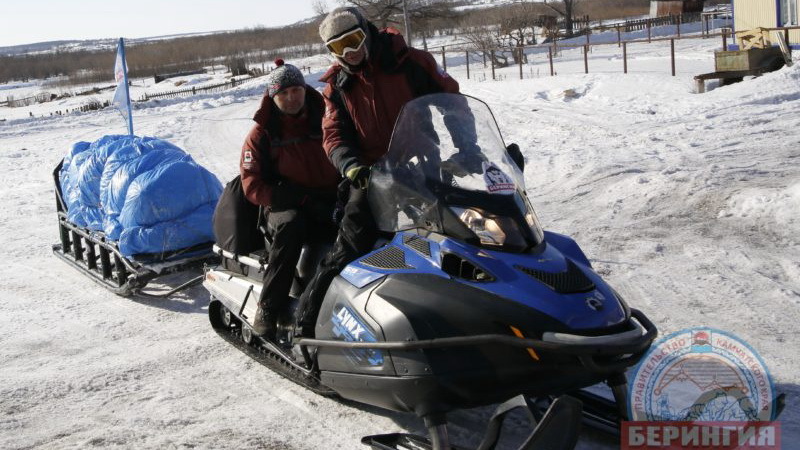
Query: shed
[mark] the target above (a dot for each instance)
(660, 8)
(752, 14)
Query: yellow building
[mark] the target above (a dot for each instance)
(750, 14)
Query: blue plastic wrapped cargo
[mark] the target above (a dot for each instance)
(145, 193)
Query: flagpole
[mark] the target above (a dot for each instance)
(127, 90)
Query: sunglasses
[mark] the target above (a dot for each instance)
(352, 41)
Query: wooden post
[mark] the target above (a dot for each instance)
(649, 31)
(619, 37)
(444, 60)
(587, 39)
(786, 38)
(484, 58)
(672, 54)
(519, 51)
(467, 54)
(724, 42)
(625, 56)
(491, 56)
(700, 85)
(550, 57)
(680, 19)
(585, 59)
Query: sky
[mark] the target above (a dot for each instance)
(31, 21)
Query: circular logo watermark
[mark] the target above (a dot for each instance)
(701, 374)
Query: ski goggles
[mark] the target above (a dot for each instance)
(352, 41)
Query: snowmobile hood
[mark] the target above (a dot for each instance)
(547, 280)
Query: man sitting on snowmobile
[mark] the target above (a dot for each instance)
(375, 74)
(285, 170)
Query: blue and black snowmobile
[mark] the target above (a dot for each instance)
(468, 301)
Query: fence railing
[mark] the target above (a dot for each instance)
(196, 90)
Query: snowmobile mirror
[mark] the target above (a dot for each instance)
(516, 156)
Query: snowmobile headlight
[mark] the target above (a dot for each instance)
(493, 231)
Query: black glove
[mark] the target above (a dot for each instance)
(286, 197)
(319, 209)
(467, 160)
(359, 176)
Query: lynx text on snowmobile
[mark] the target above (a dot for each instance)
(468, 302)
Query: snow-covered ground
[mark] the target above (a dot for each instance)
(689, 204)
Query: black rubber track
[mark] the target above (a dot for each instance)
(265, 352)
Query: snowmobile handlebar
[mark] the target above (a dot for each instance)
(587, 353)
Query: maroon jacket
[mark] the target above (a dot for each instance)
(361, 107)
(285, 149)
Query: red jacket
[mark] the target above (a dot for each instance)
(285, 149)
(361, 107)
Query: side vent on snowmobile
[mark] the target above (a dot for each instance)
(571, 281)
(459, 267)
(418, 244)
(389, 258)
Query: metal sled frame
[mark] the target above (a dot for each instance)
(100, 259)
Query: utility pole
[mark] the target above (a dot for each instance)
(405, 20)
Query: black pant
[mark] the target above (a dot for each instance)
(357, 236)
(290, 230)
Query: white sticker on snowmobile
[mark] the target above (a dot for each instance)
(348, 326)
(497, 182)
(353, 329)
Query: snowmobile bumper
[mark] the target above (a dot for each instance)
(607, 353)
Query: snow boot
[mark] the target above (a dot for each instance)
(264, 324)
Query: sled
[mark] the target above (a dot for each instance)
(99, 258)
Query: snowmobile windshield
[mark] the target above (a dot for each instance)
(447, 171)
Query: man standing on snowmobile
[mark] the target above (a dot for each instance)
(285, 170)
(374, 75)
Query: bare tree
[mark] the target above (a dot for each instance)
(565, 10)
(386, 13)
(320, 7)
(382, 12)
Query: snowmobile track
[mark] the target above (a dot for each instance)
(267, 355)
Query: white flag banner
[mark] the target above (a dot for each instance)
(122, 97)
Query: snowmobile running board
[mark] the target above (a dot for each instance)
(557, 428)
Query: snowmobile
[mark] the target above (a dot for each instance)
(467, 302)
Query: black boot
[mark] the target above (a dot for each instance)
(264, 324)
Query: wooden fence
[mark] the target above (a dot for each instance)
(27, 101)
(643, 24)
(522, 53)
(195, 90)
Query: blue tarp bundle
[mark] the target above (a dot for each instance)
(143, 192)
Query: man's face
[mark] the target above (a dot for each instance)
(354, 58)
(290, 100)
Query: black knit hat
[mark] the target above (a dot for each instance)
(284, 76)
